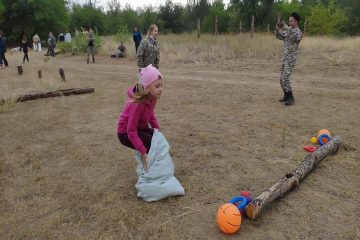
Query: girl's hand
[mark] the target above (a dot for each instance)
(144, 161)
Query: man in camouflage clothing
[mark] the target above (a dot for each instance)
(291, 36)
(90, 48)
(149, 49)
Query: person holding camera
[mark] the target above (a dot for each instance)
(291, 36)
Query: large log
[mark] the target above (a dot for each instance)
(56, 93)
(292, 179)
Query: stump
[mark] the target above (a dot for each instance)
(62, 74)
(20, 70)
(292, 179)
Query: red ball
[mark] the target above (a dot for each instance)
(245, 194)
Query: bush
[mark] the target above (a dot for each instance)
(326, 20)
(122, 35)
(78, 44)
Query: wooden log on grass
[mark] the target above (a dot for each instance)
(56, 93)
(292, 179)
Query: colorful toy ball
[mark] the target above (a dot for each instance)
(314, 140)
(323, 136)
(228, 218)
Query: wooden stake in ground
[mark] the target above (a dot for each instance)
(216, 26)
(305, 25)
(292, 179)
(62, 74)
(240, 27)
(252, 26)
(39, 74)
(20, 70)
(198, 28)
(57, 93)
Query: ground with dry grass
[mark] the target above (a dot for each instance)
(64, 175)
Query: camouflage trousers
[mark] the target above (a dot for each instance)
(90, 51)
(287, 66)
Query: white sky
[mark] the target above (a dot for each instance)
(140, 3)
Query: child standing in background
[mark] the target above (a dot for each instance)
(133, 125)
(24, 46)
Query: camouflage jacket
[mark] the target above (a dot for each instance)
(291, 38)
(90, 39)
(148, 53)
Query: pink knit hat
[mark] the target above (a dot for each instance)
(149, 75)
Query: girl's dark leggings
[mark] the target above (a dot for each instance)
(144, 134)
(3, 59)
(26, 57)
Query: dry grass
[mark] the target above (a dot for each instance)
(64, 175)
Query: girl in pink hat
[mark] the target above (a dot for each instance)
(133, 125)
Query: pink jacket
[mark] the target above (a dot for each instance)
(137, 116)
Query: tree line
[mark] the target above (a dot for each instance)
(325, 17)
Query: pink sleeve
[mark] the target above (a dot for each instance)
(154, 122)
(135, 112)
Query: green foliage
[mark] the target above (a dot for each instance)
(78, 44)
(352, 10)
(173, 17)
(117, 17)
(42, 16)
(30, 16)
(86, 16)
(147, 17)
(217, 9)
(326, 20)
(123, 34)
(285, 9)
(2, 10)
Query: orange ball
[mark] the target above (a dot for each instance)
(228, 218)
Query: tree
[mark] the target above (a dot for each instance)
(147, 17)
(352, 10)
(217, 9)
(326, 20)
(173, 16)
(87, 15)
(30, 16)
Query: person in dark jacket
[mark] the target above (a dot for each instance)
(3, 51)
(137, 38)
(25, 48)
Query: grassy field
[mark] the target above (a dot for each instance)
(64, 175)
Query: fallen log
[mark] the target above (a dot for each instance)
(56, 93)
(292, 179)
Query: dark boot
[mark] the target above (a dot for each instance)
(290, 100)
(283, 99)
(93, 60)
(87, 61)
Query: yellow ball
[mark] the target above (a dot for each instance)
(313, 140)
